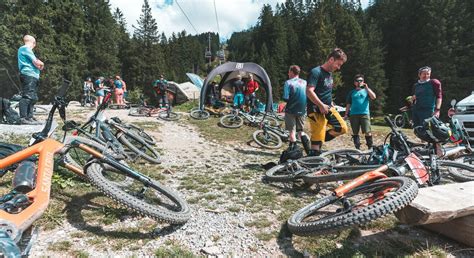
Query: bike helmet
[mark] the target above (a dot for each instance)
(433, 130)
(457, 131)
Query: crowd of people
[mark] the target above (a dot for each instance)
(312, 98)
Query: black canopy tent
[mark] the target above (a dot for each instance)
(229, 71)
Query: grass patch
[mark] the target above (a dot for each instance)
(173, 251)
(186, 106)
(260, 222)
(211, 130)
(265, 236)
(61, 246)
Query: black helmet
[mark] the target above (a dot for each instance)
(433, 130)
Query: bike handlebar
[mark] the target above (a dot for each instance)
(398, 134)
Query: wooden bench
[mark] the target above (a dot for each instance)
(446, 209)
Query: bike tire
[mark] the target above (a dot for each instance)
(139, 146)
(270, 120)
(176, 211)
(269, 140)
(291, 171)
(199, 114)
(231, 121)
(171, 116)
(138, 112)
(142, 133)
(399, 121)
(406, 191)
(117, 106)
(461, 172)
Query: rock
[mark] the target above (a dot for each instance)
(234, 191)
(248, 198)
(211, 250)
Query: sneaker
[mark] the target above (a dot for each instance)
(33, 121)
(25, 121)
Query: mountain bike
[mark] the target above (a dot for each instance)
(136, 130)
(167, 114)
(346, 164)
(236, 119)
(199, 114)
(88, 99)
(97, 128)
(15, 104)
(404, 119)
(369, 196)
(30, 195)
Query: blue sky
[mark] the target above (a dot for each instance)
(232, 15)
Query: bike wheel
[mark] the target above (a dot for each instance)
(117, 106)
(342, 156)
(138, 111)
(139, 146)
(168, 116)
(462, 172)
(231, 121)
(199, 114)
(267, 139)
(399, 121)
(147, 197)
(142, 133)
(293, 170)
(360, 206)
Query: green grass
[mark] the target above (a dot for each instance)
(186, 106)
(211, 130)
(173, 251)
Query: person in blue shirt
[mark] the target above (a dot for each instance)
(161, 86)
(99, 90)
(119, 90)
(357, 109)
(30, 67)
(294, 94)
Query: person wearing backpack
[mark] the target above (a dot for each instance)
(427, 96)
(30, 67)
(161, 86)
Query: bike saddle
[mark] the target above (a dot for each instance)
(69, 125)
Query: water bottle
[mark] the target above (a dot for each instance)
(24, 178)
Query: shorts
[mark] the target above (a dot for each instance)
(320, 123)
(292, 121)
(100, 93)
(360, 122)
(238, 99)
(118, 92)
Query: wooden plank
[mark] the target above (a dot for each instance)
(439, 203)
(460, 229)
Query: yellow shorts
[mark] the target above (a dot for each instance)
(321, 124)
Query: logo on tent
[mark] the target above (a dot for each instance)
(239, 65)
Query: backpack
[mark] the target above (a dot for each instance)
(7, 114)
(293, 154)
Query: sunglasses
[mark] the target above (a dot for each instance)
(359, 80)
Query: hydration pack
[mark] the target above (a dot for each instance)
(7, 114)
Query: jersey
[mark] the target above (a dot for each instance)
(322, 82)
(294, 93)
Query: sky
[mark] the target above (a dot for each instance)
(232, 15)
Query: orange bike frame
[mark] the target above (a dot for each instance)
(40, 195)
(360, 180)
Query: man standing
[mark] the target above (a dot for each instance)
(30, 67)
(161, 86)
(294, 94)
(325, 121)
(427, 95)
(358, 111)
(238, 86)
(250, 89)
